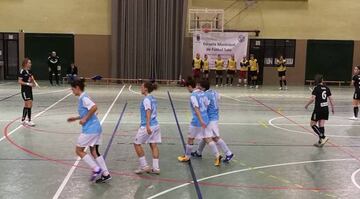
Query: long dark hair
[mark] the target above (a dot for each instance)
(150, 86)
(80, 83)
(318, 79)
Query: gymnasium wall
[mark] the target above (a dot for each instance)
(89, 21)
(312, 19)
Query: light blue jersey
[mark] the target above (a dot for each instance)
(198, 99)
(92, 125)
(213, 108)
(149, 103)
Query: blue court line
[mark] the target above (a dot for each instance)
(115, 130)
(196, 184)
(10, 96)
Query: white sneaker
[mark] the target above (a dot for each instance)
(257, 86)
(217, 85)
(286, 87)
(30, 123)
(245, 85)
(323, 141)
(353, 118)
(23, 122)
(155, 171)
(142, 170)
(280, 88)
(251, 87)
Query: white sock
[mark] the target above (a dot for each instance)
(188, 151)
(224, 147)
(101, 162)
(142, 161)
(91, 162)
(156, 163)
(201, 147)
(214, 148)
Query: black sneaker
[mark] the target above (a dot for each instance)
(196, 154)
(228, 158)
(103, 179)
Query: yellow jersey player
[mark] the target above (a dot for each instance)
(197, 65)
(254, 71)
(231, 70)
(206, 67)
(281, 68)
(219, 67)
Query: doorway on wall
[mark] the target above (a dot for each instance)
(9, 56)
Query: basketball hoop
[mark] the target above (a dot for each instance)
(206, 30)
(206, 27)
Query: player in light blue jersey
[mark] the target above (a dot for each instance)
(149, 131)
(199, 123)
(91, 133)
(213, 113)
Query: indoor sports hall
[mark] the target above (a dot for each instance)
(269, 88)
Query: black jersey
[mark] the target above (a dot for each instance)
(25, 76)
(321, 93)
(356, 79)
(53, 62)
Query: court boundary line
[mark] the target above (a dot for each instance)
(37, 115)
(310, 132)
(270, 122)
(72, 169)
(191, 168)
(250, 169)
(115, 131)
(353, 178)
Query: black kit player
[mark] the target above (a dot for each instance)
(26, 81)
(320, 95)
(356, 98)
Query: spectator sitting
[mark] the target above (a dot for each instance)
(72, 73)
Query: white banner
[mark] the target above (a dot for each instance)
(220, 43)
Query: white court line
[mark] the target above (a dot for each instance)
(248, 169)
(37, 115)
(353, 178)
(270, 122)
(237, 123)
(7, 83)
(57, 91)
(221, 103)
(71, 171)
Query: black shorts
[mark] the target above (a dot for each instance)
(282, 73)
(206, 71)
(253, 73)
(231, 72)
(219, 72)
(27, 94)
(320, 115)
(356, 95)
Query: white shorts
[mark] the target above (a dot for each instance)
(214, 128)
(85, 140)
(142, 137)
(200, 133)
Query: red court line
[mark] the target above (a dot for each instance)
(151, 178)
(301, 126)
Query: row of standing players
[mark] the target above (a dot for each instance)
(204, 124)
(248, 68)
